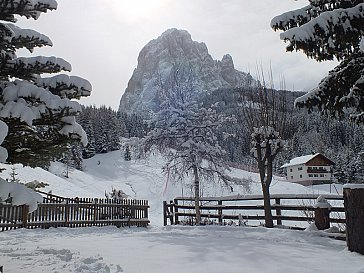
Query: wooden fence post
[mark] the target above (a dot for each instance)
(146, 215)
(278, 212)
(95, 211)
(25, 216)
(66, 213)
(354, 210)
(171, 212)
(219, 211)
(322, 213)
(165, 213)
(176, 222)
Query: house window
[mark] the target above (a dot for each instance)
(290, 170)
(291, 177)
(310, 175)
(322, 175)
(300, 168)
(300, 175)
(315, 175)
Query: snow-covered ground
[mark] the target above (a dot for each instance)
(163, 249)
(174, 250)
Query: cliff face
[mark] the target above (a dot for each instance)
(172, 61)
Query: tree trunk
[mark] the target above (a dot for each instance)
(267, 207)
(354, 210)
(322, 218)
(197, 195)
(265, 173)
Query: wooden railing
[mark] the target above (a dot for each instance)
(76, 212)
(249, 208)
(317, 171)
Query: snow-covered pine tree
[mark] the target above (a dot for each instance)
(103, 128)
(358, 166)
(37, 114)
(14, 176)
(90, 150)
(324, 30)
(114, 130)
(133, 125)
(73, 157)
(127, 153)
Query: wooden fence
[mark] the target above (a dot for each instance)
(57, 211)
(249, 209)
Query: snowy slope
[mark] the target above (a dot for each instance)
(140, 179)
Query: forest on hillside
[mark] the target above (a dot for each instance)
(304, 133)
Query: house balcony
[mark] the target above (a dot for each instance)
(309, 170)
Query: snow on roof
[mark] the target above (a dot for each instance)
(299, 160)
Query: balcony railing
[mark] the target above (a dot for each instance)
(310, 170)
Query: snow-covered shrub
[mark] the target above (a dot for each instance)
(116, 194)
(35, 185)
(18, 194)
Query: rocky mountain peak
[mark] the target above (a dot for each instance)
(227, 62)
(176, 33)
(172, 52)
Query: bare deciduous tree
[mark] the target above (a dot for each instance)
(265, 111)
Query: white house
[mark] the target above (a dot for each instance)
(309, 169)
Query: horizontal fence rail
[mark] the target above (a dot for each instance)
(75, 212)
(286, 208)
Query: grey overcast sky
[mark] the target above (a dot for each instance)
(102, 38)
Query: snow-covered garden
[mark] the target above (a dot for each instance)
(157, 248)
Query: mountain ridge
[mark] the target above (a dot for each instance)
(175, 57)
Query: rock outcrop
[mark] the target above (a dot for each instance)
(172, 61)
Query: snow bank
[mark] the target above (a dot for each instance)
(174, 249)
(3, 133)
(322, 203)
(354, 186)
(19, 194)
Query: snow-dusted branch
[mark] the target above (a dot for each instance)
(341, 89)
(27, 38)
(27, 8)
(37, 115)
(324, 30)
(292, 19)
